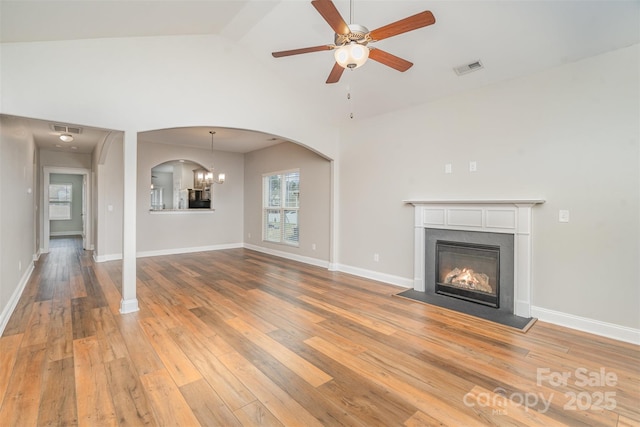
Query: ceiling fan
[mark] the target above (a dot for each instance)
(351, 40)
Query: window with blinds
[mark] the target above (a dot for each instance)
(281, 202)
(60, 201)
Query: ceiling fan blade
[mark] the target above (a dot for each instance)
(411, 23)
(303, 50)
(328, 10)
(390, 60)
(336, 73)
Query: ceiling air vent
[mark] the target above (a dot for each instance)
(66, 129)
(468, 68)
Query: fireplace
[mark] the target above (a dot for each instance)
(468, 271)
(506, 224)
(474, 268)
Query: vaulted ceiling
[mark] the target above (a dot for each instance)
(511, 38)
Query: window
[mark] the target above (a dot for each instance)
(60, 201)
(281, 202)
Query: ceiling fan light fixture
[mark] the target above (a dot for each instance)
(351, 55)
(65, 137)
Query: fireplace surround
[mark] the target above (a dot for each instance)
(504, 222)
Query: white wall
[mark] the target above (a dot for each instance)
(569, 135)
(109, 200)
(147, 83)
(315, 198)
(167, 232)
(17, 214)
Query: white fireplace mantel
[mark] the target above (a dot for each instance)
(494, 216)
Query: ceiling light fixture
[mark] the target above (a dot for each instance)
(351, 55)
(352, 51)
(65, 137)
(209, 175)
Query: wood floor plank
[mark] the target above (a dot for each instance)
(284, 407)
(363, 320)
(290, 311)
(60, 333)
(422, 400)
(207, 406)
(110, 290)
(82, 318)
(9, 346)
(202, 331)
(173, 358)
(168, 405)
(38, 326)
(255, 414)
(142, 354)
(420, 419)
(627, 422)
(78, 289)
(224, 383)
(94, 401)
(129, 400)
(300, 366)
(22, 398)
(58, 403)
(108, 335)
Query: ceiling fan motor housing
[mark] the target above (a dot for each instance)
(357, 33)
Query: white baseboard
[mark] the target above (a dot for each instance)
(172, 251)
(288, 255)
(176, 251)
(15, 297)
(105, 258)
(375, 275)
(65, 233)
(609, 330)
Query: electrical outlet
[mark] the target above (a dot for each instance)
(376, 257)
(249, 235)
(448, 168)
(313, 246)
(473, 166)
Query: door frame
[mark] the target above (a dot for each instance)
(87, 242)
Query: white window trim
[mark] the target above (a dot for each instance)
(281, 208)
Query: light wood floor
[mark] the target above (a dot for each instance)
(235, 337)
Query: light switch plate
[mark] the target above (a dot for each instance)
(563, 215)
